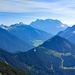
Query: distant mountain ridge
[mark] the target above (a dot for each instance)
(44, 60)
(28, 34)
(21, 37)
(68, 33)
(11, 43)
(49, 25)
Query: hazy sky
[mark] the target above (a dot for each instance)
(26, 11)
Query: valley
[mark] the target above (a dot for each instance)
(28, 50)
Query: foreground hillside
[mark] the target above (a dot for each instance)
(5, 69)
(56, 56)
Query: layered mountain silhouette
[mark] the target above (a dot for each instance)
(69, 34)
(50, 58)
(28, 34)
(59, 44)
(11, 43)
(49, 25)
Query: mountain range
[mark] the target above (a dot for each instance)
(11, 43)
(21, 37)
(68, 33)
(28, 34)
(55, 56)
(49, 25)
(26, 49)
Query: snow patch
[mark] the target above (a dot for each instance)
(73, 32)
(37, 32)
(4, 27)
(34, 50)
(62, 26)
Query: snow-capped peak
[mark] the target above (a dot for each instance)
(73, 32)
(4, 27)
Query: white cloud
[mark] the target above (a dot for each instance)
(65, 8)
(62, 7)
(31, 6)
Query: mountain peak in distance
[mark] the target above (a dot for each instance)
(68, 33)
(49, 25)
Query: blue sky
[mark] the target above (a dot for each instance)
(26, 11)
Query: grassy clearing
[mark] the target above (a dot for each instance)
(59, 55)
(37, 42)
(1, 74)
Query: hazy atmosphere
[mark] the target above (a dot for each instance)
(37, 37)
(27, 11)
